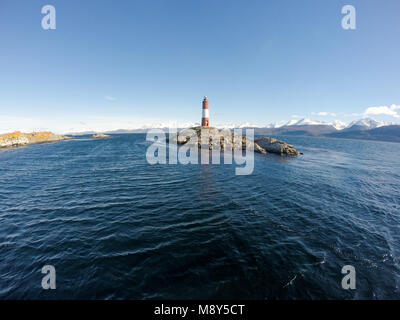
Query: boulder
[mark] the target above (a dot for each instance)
(276, 146)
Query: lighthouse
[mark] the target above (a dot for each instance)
(205, 122)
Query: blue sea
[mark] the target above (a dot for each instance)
(115, 227)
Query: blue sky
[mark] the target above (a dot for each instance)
(113, 64)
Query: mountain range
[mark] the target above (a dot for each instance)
(366, 128)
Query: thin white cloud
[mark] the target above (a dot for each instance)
(109, 98)
(353, 114)
(383, 110)
(394, 107)
(325, 114)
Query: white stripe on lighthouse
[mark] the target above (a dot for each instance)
(206, 113)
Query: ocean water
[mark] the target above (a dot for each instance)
(115, 227)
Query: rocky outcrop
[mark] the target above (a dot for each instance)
(216, 139)
(276, 146)
(213, 139)
(100, 136)
(18, 139)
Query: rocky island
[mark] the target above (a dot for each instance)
(18, 139)
(100, 136)
(222, 139)
(272, 145)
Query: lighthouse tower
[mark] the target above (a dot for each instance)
(205, 122)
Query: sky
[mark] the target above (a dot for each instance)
(124, 64)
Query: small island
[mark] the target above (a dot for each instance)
(100, 136)
(220, 139)
(19, 139)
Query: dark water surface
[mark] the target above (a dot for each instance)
(115, 227)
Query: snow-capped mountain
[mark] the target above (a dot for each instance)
(167, 125)
(247, 125)
(389, 132)
(365, 124)
(339, 125)
(161, 125)
(361, 124)
(306, 122)
(235, 125)
(290, 123)
(274, 125)
(303, 126)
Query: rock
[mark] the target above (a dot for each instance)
(100, 136)
(17, 138)
(214, 139)
(225, 139)
(276, 146)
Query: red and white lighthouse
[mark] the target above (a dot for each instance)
(205, 122)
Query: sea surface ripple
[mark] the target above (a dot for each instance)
(116, 227)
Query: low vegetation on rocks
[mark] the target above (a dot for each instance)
(18, 139)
